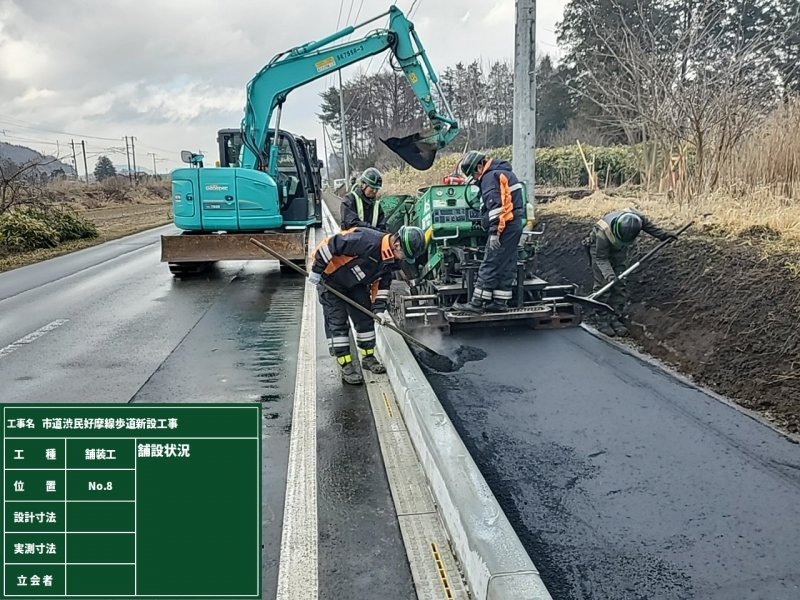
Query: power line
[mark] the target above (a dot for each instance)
(11, 121)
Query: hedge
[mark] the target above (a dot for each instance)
(31, 228)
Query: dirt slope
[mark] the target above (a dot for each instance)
(725, 311)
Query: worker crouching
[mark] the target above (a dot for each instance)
(503, 212)
(610, 245)
(354, 262)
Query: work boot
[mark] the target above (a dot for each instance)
(469, 307)
(619, 328)
(605, 328)
(349, 372)
(496, 306)
(371, 363)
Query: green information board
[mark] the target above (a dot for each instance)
(142, 501)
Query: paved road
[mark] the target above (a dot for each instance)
(622, 482)
(111, 324)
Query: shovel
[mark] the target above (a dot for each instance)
(437, 359)
(591, 299)
(416, 150)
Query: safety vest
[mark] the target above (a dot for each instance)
(606, 227)
(360, 209)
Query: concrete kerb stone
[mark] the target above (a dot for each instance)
(494, 561)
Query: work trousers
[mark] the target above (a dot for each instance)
(497, 273)
(617, 296)
(336, 313)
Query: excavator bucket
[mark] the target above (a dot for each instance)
(416, 150)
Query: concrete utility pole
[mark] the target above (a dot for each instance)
(128, 156)
(85, 166)
(133, 152)
(524, 131)
(74, 159)
(344, 135)
(155, 171)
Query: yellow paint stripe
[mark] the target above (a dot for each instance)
(448, 592)
(388, 405)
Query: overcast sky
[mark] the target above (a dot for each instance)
(173, 72)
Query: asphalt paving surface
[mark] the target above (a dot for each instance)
(621, 481)
(111, 324)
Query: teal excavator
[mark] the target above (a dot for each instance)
(272, 192)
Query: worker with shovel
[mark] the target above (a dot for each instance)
(610, 246)
(349, 262)
(360, 206)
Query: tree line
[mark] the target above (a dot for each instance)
(675, 74)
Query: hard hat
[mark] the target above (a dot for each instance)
(470, 162)
(627, 226)
(412, 241)
(372, 177)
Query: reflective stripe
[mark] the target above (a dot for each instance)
(382, 294)
(502, 295)
(482, 294)
(343, 360)
(365, 336)
(515, 187)
(493, 214)
(358, 272)
(360, 209)
(339, 342)
(367, 351)
(325, 253)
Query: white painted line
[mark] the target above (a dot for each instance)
(32, 337)
(298, 577)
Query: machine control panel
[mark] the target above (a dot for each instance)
(455, 215)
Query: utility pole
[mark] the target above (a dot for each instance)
(524, 132)
(344, 134)
(128, 156)
(133, 152)
(85, 166)
(327, 158)
(155, 171)
(74, 159)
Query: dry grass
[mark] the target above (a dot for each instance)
(145, 207)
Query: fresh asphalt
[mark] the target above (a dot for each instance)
(622, 482)
(111, 324)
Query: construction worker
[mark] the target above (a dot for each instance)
(349, 262)
(610, 246)
(360, 206)
(503, 213)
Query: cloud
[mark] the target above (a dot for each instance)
(173, 73)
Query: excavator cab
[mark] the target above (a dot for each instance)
(299, 179)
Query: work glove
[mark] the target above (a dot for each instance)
(494, 243)
(379, 307)
(612, 278)
(670, 236)
(383, 318)
(314, 278)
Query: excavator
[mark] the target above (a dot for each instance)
(263, 188)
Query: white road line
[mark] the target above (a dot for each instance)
(31, 337)
(298, 577)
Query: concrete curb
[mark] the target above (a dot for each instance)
(494, 562)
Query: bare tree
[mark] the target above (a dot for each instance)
(23, 184)
(688, 88)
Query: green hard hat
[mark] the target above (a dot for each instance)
(412, 241)
(471, 161)
(372, 177)
(627, 226)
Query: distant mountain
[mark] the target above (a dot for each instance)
(20, 155)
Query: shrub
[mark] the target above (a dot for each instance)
(41, 227)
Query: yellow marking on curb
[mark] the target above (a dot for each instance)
(388, 404)
(442, 572)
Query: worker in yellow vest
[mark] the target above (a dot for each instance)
(360, 206)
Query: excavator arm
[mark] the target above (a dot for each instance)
(268, 90)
